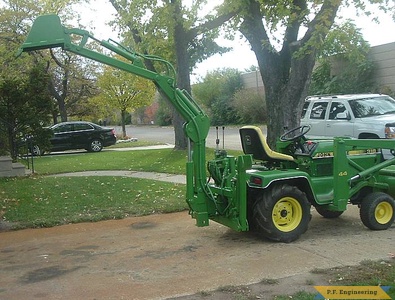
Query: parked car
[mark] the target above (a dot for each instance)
(78, 135)
(362, 116)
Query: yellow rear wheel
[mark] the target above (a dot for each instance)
(280, 213)
(287, 214)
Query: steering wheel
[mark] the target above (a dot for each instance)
(291, 135)
(296, 135)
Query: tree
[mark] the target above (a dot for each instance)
(286, 71)
(176, 33)
(25, 106)
(124, 91)
(163, 115)
(344, 66)
(216, 92)
(71, 78)
(72, 82)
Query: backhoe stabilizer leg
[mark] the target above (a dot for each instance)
(197, 203)
(201, 218)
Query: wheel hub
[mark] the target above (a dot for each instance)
(283, 213)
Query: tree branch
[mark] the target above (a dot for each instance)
(135, 34)
(211, 24)
(298, 11)
(324, 19)
(55, 59)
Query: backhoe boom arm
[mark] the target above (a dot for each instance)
(48, 32)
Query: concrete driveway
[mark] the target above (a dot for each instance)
(162, 256)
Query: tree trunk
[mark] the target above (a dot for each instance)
(270, 66)
(123, 121)
(183, 76)
(54, 116)
(286, 76)
(62, 109)
(11, 142)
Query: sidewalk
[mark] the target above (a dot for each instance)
(135, 174)
(153, 147)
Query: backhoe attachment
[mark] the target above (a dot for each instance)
(220, 203)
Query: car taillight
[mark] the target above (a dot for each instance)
(113, 131)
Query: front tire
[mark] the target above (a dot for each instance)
(377, 211)
(36, 151)
(282, 214)
(95, 146)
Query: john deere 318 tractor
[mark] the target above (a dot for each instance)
(268, 192)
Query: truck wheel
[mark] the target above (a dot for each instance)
(282, 214)
(377, 211)
(329, 214)
(95, 146)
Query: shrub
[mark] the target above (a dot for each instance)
(250, 107)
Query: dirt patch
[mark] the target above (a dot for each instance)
(369, 272)
(266, 289)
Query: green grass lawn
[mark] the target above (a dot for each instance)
(164, 160)
(48, 201)
(41, 201)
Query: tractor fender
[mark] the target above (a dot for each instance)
(302, 181)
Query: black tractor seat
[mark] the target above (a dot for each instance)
(254, 142)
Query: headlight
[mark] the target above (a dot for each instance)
(389, 132)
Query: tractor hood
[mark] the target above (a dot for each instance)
(325, 148)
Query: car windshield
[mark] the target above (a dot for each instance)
(374, 106)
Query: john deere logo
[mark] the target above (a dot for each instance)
(248, 140)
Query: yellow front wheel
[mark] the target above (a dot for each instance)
(377, 211)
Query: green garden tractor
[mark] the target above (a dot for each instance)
(265, 191)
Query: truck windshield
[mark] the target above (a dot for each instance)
(374, 106)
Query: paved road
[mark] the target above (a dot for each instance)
(166, 135)
(162, 256)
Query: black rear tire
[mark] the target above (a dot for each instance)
(377, 211)
(95, 145)
(328, 214)
(282, 213)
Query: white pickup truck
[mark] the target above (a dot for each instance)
(362, 116)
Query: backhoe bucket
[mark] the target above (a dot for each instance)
(46, 32)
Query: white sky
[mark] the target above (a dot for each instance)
(241, 57)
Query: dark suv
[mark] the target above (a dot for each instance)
(79, 135)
